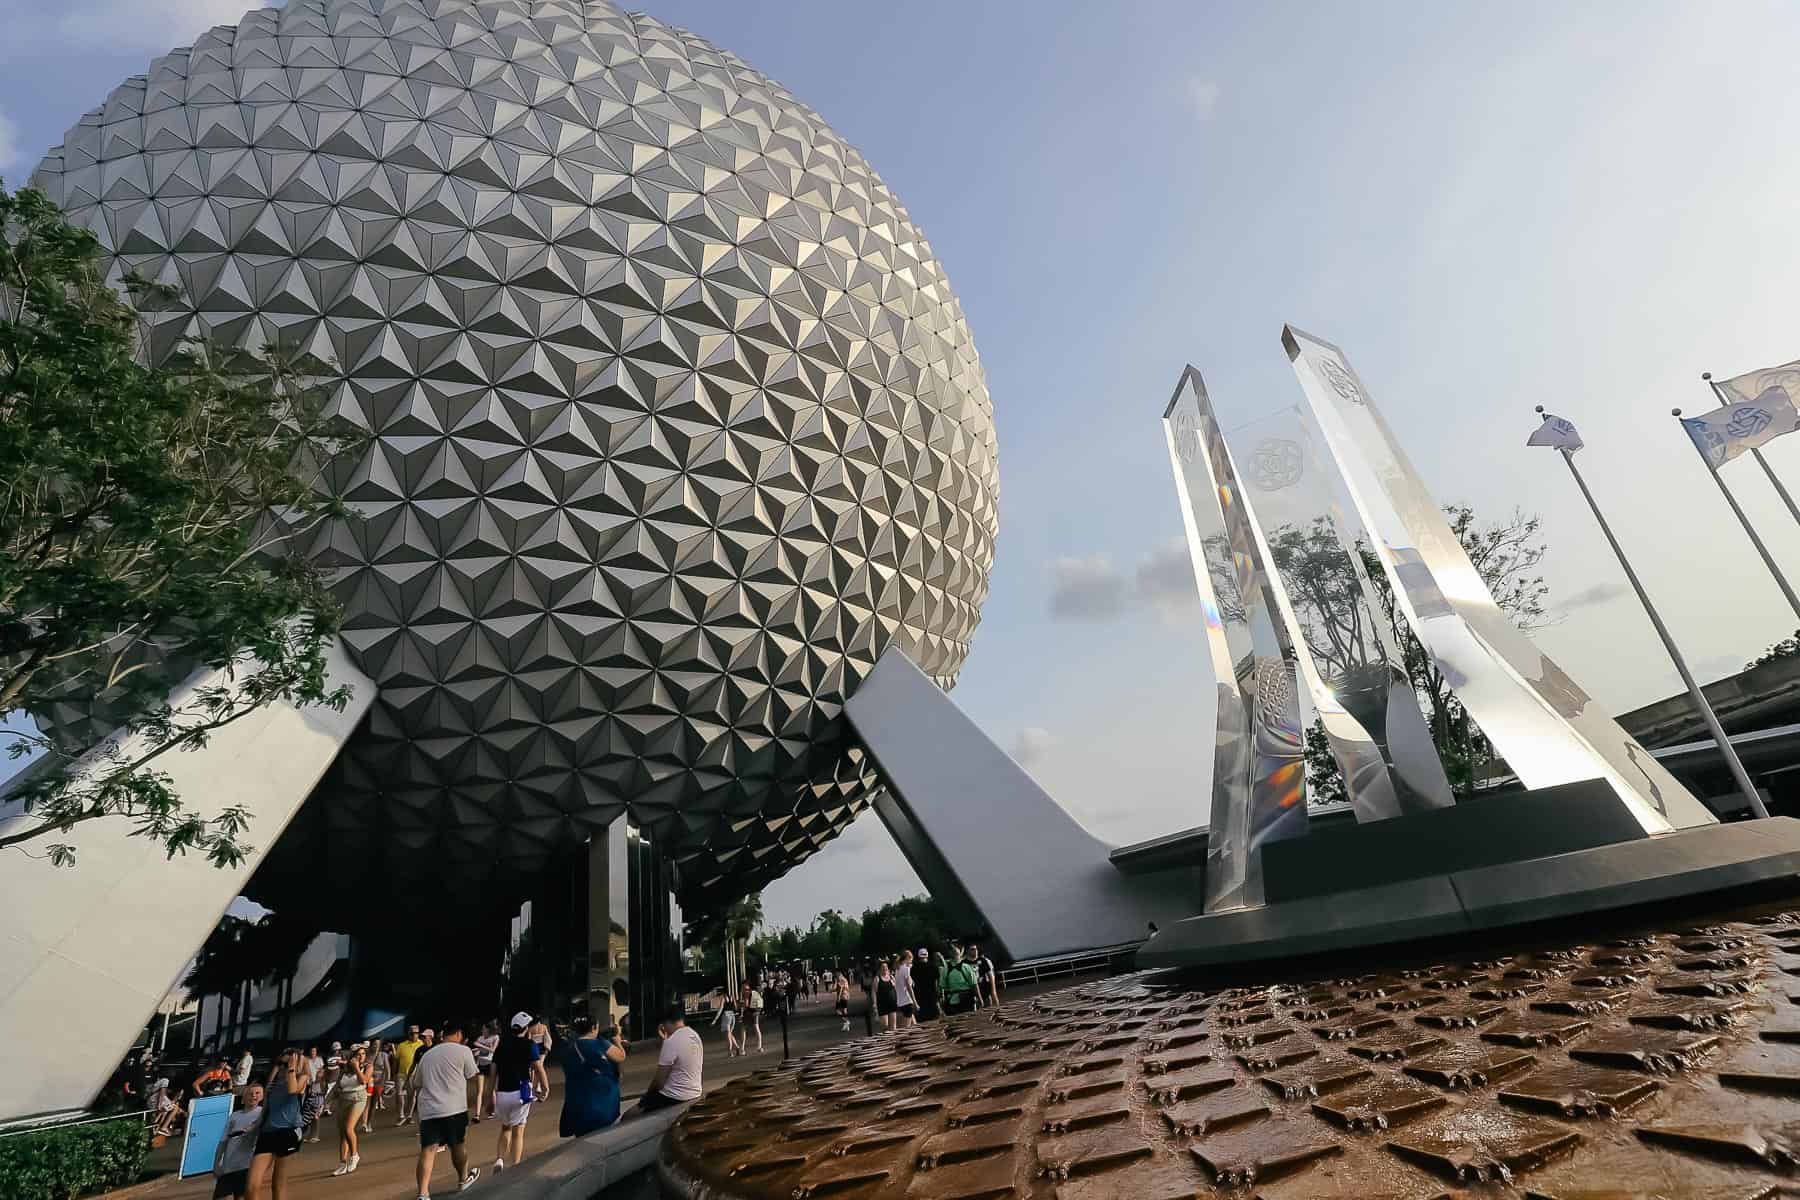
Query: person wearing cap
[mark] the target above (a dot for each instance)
(514, 1060)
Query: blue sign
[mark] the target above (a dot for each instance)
(207, 1118)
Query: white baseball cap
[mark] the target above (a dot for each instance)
(520, 1020)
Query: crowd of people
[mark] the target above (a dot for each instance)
(441, 1081)
(446, 1081)
(907, 988)
(901, 989)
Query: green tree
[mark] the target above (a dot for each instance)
(1505, 553)
(905, 924)
(153, 520)
(1787, 647)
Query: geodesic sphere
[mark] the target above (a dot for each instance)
(679, 424)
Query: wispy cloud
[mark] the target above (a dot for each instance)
(1086, 589)
(1589, 597)
(1202, 96)
(1031, 744)
(123, 26)
(1092, 589)
(1166, 580)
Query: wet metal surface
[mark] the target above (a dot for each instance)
(1644, 1063)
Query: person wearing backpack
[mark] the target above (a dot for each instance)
(959, 984)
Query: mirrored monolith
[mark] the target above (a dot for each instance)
(1548, 730)
(1366, 706)
(1258, 786)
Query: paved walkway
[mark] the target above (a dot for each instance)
(389, 1153)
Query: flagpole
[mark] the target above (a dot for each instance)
(1662, 631)
(1757, 454)
(1787, 589)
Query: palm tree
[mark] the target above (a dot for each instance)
(219, 970)
(741, 921)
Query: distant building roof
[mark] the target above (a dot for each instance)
(1754, 699)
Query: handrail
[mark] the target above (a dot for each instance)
(40, 1123)
(1085, 963)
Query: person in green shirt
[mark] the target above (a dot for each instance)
(958, 983)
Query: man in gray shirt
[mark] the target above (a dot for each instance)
(441, 1075)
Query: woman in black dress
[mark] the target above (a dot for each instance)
(887, 1002)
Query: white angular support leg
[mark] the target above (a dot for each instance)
(91, 949)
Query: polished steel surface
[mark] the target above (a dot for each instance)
(997, 852)
(1538, 719)
(679, 423)
(1355, 674)
(1639, 1061)
(1258, 782)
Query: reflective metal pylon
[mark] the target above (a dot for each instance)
(1258, 784)
(1548, 729)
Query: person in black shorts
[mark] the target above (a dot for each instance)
(280, 1136)
(442, 1076)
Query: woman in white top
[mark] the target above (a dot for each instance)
(231, 1162)
(350, 1096)
(753, 1011)
(903, 990)
(484, 1048)
(727, 1017)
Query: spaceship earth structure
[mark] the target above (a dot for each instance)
(678, 423)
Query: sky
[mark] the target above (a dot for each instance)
(1490, 206)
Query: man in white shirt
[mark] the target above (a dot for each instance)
(246, 1064)
(441, 1077)
(678, 1065)
(904, 998)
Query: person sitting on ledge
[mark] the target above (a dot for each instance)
(678, 1065)
(590, 1064)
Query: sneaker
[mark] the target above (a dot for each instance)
(469, 1179)
(355, 1161)
(342, 1169)
(499, 1165)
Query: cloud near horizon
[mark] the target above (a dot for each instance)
(1590, 597)
(1031, 744)
(1202, 96)
(151, 27)
(1087, 589)
(1092, 589)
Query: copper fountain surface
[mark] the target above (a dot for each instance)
(1659, 1061)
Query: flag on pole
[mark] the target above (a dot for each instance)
(1759, 407)
(1557, 433)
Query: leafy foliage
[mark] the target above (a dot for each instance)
(903, 924)
(150, 523)
(73, 1160)
(1324, 778)
(1787, 647)
(1506, 554)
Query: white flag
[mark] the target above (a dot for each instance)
(1759, 409)
(1556, 433)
